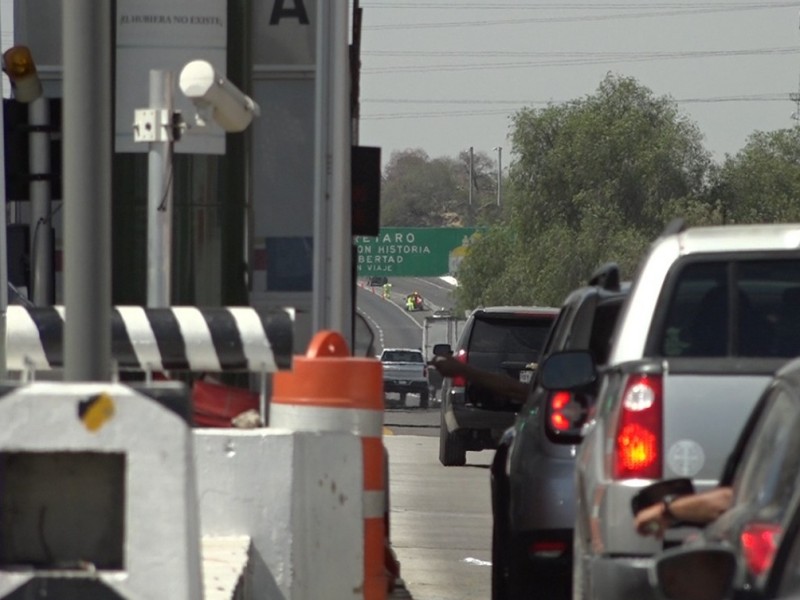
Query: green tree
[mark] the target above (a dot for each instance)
(592, 180)
(761, 183)
(418, 191)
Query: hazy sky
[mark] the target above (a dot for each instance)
(446, 75)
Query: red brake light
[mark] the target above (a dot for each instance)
(547, 549)
(759, 542)
(458, 380)
(565, 415)
(561, 417)
(639, 437)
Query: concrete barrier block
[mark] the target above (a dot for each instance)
(299, 498)
(97, 483)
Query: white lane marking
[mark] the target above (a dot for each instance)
(375, 325)
(477, 561)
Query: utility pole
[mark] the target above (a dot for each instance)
(499, 173)
(470, 212)
(471, 172)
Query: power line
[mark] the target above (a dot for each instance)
(743, 97)
(461, 4)
(517, 105)
(578, 54)
(599, 58)
(644, 12)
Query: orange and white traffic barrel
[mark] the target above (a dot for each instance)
(329, 390)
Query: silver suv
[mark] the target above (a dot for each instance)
(712, 314)
(533, 496)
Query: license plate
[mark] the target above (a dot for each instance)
(402, 382)
(525, 376)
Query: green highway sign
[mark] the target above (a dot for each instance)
(413, 251)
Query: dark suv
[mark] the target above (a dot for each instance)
(502, 339)
(532, 475)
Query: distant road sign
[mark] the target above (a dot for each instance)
(413, 251)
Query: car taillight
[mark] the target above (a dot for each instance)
(639, 436)
(547, 548)
(458, 380)
(759, 542)
(566, 414)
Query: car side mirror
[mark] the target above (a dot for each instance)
(569, 370)
(695, 574)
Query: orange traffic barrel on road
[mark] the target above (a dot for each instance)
(329, 390)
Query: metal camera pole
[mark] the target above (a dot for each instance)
(159, 193)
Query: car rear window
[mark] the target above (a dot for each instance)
(402, 356)
(734, 308)
(522, 337)
(605, 319)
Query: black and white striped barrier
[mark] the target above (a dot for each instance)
(161, 339)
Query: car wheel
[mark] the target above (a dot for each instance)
(452, 452)
(424, 399)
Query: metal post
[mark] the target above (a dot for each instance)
(3, 243)
(41, 242)
(499, 174)
(333, 280)
(322, 274)
(87, 135)
(471, 173)
(159, 196)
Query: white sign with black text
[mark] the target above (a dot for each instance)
(165, 35)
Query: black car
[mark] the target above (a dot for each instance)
(532, 474)
(499, 339)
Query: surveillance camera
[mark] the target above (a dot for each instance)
(210, 91)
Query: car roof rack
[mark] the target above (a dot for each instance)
(607, 277)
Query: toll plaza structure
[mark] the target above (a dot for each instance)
(107, 490)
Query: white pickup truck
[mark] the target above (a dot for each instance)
(712, 314)
(405, 372)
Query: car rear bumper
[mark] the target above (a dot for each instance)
(471, 417)
(413, 387)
